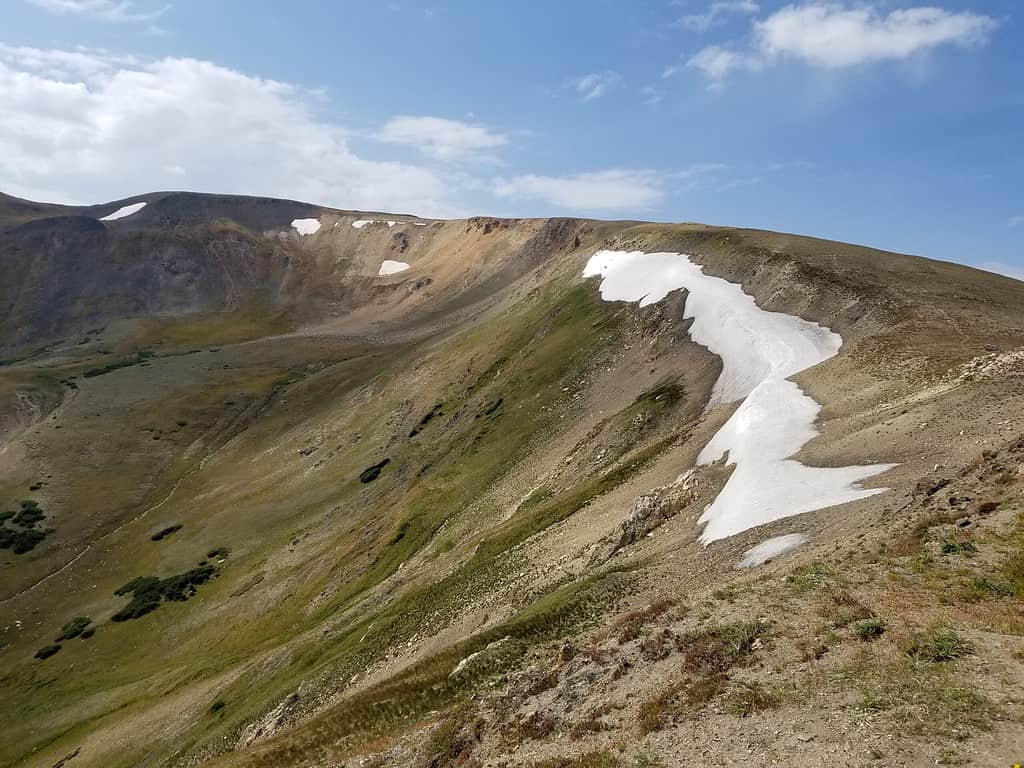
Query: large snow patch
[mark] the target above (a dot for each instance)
(758, 349)
(121, 213)
(306, 226)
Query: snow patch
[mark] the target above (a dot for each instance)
(759, 350)
(392, 267)
(306, 226)
(121, 213)
(770, 549)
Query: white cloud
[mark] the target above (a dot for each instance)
(441, 138)
(84, 126)
(617, 190)
(651, 95)
(833, 36)
(596, 84)
(104, 10)
(829, 35)
(717, 63)
(717, 12)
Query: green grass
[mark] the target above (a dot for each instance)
(428, 685)
(920, 699)
(938, 645)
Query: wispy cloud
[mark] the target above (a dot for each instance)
(119, 11)
(595, 85)
(833, 36)
(717, 13)
(600, 191)
(651, 95)
(441, 138)
(609, 190)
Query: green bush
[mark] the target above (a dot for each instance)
(47, 651)
(165, 532)
(870, 628)
(74, 628)
(938, 646)
(149, 591)
(959, 548)
(370, 474)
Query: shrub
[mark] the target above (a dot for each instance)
(370, 474)
(27, 517)
(74, 628)
(47, 651)
(939, 645)
(149, 591)
(20, 542)
(870, 628)
(165, 532)
(959, 548)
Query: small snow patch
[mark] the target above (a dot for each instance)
(363, 223)
(392, 267)
(770, 549)
(306, 226)
(121, 213)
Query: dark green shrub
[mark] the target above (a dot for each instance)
(435, 411)
(370, 474)
(218, 554)
(165, 532)
(87, 633)
(149, 591)
(47, 651)
(959, 548)
(21, 542)
(74, 628)
(27, 517)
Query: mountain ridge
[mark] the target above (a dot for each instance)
(313, 515)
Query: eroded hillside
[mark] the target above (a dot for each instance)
(287, 510)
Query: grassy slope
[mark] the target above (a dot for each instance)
(528, 359)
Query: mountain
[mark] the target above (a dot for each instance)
(295, 486)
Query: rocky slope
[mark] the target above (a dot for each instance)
(271, 507)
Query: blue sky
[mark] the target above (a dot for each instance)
(894, 124)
